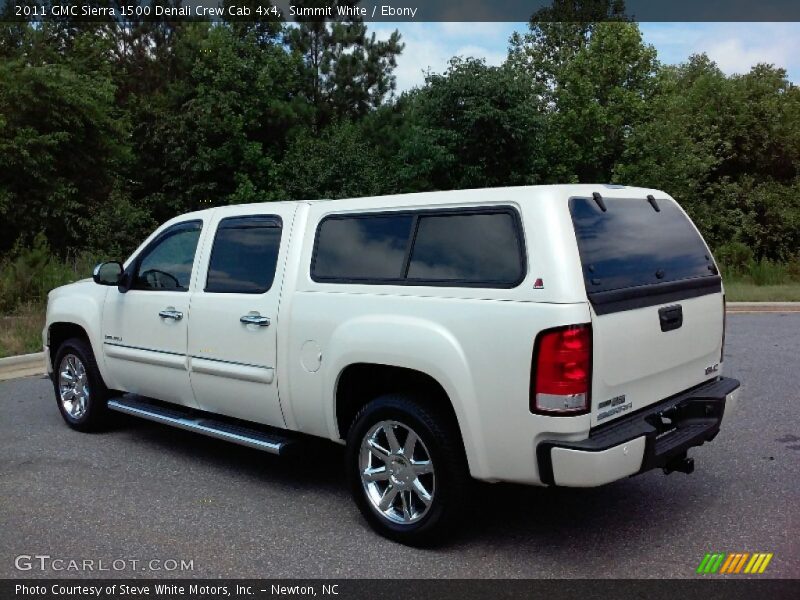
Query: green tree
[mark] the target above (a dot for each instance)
(345, 71)
(726, 148)
(14, 35)
(220, 129)
(600, 98)
(556, 33)
(681, 143)
(263, 25)
(59, 147)
(338, 163)
(473, 126)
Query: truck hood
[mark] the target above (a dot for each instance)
(82, 285)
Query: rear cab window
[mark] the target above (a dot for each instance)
(479, 247)
(633, 255)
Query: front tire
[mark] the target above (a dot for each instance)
(406, 468)
(81, 393)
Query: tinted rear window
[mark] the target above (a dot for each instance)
(471, 248)
(631, 244)
(244, 255)
(362, 247)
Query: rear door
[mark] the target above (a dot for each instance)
(233, 327)
(657, 302)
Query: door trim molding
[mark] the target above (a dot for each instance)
(150, 356)
(231, 370)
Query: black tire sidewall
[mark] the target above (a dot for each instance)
(445, 451)
(98, 393)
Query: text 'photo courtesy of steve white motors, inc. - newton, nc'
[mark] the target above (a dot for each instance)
(171, 590)
(229, 10)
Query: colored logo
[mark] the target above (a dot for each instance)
(735, 562)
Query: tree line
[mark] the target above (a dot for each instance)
(109, 128)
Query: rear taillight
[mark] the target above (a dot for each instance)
(562, 370)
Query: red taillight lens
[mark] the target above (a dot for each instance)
(562, 370)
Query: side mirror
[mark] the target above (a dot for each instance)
(125, 281)
(107, 273)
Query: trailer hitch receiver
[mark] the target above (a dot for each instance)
(680, 463)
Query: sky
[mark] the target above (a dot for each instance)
(735, 47)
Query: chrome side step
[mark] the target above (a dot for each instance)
(204, 423)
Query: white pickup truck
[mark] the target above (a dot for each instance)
(566, 335)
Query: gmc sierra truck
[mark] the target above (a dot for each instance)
(567, 335)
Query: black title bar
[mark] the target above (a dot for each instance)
(402, 10)
(712, 588)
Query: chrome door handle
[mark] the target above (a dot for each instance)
(255, 320)
(170, 313)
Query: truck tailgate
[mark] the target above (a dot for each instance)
(657, 303)
(637, 364)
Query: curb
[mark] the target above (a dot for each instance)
(763, 307)
(24, 365)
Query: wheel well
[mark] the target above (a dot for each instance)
(60, 333)
(362, 382)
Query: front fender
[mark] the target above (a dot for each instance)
(416, 344)
(81, 304)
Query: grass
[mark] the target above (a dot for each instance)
(743, 291)
(25, 279)
(762, 281)
(21, 332)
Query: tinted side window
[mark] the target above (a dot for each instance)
(167, 263)
(362, 248)
(469, 248)
(632, 244)
(244, 255)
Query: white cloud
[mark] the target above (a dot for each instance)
(735, 47)
(744, 47)
(474, 30)
(429, 46)
(423, 50)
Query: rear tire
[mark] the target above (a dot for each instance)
(81, 393)
(407, 470)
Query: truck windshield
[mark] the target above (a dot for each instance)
(632, 244)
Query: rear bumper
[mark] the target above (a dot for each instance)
(650, 438)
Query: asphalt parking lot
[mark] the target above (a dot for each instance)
(143, 491)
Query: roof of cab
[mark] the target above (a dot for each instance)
(517, 193)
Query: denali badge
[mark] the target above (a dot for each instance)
(614, 411)
(616, 405)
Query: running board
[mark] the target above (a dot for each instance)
(204, 423)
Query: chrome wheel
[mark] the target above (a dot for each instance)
(73, 386)
(396, 472)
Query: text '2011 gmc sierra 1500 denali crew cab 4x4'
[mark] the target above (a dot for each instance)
(565, 335)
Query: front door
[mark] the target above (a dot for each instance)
(145, 328)
(233, 328)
